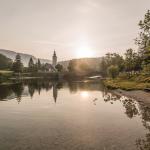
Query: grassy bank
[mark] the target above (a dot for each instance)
(133, 83)
(4, 77)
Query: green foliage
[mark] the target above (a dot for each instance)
(5, 63)
(144, 39)
(5, 75)
(109, 60)
(144, 36)
(113, 71)
(147, 69)
(17, 65)
(133, 61)
(34, 67)
(59, 67)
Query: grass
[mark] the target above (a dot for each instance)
(5, 72)
(126, 84)
(4, 77)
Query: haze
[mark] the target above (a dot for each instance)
(70, 26)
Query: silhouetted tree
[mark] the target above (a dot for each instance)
(17, 65)
(39, 64)
(59, 67)
(31, 65)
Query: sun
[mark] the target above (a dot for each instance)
(83, 52)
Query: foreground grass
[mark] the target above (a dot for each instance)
(126, 84)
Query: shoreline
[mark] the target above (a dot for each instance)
(127, 85)
(138, 95)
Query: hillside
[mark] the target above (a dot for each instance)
(25, 57)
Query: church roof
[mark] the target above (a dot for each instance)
(49, 66)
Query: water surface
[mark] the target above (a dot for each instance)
(50, 115)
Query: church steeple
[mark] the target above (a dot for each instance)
(54, 58)
(54, 53)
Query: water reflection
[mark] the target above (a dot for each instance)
(30, 87)
(84, 94)
(131, 108)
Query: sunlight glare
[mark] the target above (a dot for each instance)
(84, 51)
(84, 94)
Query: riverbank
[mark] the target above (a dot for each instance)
(125, 84)
(138, 95)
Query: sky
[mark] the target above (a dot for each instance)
(74, 28)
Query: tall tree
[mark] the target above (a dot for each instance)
(129, 60)
(103, 67)
(17, 65)
(31, 65)
(39, 64)
(144, 36)
(144, 39)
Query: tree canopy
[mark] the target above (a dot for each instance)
(17, 65)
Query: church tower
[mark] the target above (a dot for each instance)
(54, 58)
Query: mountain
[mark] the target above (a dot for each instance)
(25, 57)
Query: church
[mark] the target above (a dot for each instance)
(51, 67)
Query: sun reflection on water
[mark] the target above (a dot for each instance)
(84, 94)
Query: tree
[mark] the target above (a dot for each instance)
(59, 67)
(143, 39)
(144, 36)
(39, 64)
(31, 65)
(103, 67)
(109, 60)
(113, 71)
(114, 59)
(17, 65)
(129, 60)
(71, 66)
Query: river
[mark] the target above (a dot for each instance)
(52, 115)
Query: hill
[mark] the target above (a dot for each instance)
(92, 62)
(5, 62)
(25, 57)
